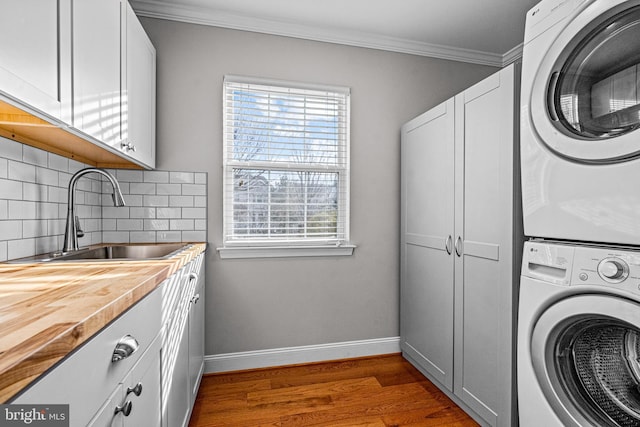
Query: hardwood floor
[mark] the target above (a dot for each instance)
(372, 392)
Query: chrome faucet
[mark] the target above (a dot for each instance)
(72, 228)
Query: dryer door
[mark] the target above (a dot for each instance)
(585, 352)
(585, 101)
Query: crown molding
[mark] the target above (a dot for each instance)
(204, 16)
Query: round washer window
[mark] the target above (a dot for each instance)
(597, 366)
(595, 94)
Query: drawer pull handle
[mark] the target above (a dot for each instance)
(125, 408)
(195, 298)
(137, 390)
(125, 348)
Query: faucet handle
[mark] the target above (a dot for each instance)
(79, 231)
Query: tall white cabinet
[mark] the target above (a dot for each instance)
(461, 241)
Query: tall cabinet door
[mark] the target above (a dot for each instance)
(427, 205)
(484, 246)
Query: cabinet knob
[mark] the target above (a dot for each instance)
(137, 390)
(125, 348)
(195, 298)
(128, 146)
(125, 408)
(193, 276)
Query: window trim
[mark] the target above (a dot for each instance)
(297, 248)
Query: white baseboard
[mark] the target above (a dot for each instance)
(295, 355)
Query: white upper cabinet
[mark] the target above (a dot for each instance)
(138, 93)
(35, 55)
(96, 69)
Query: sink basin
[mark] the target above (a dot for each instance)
(112, 252)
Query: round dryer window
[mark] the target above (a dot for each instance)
(585, 96)
(595, 93)
(587, 363)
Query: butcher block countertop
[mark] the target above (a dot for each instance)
(49, 309)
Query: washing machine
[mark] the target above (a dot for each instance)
(580, 121)
(578, 346)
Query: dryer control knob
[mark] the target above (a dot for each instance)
(613, 270)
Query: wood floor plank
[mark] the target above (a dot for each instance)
(367, 392)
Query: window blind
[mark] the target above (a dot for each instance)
(286, 163)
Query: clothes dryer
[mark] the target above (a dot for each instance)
(579, 336)
(580, 121)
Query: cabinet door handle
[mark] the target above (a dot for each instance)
(195, 298)
(137, 390)
(128, 146)
(125, 408)
(125, 348)
(447, 245)
(459, 246)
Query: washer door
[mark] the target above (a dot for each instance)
(585, 100)
(585, 352)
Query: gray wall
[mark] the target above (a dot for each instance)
(273, 303)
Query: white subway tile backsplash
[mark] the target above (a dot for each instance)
(156, 224)
(169, 213)
(194, 213)
(181, 201)
(142, 212)
(142, 188)
(142, 237)
(125, 175)
(193, 189)
(57, 162)
(156, 176)
(169, 189)
(194, 236)
(169, 236)
(19, 171)
(34, 156)
(115, 212)
(22, 210)
(21, 248)
(161, 206)
(11, 229)
(155, 201)
(4, 165)
(201, 178)
(10, 189)
(129, 224)
(181, 177)
(181, 224)
(11, 149)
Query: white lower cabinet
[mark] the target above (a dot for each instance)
(461, 239)
(183, 351)
(153, 386)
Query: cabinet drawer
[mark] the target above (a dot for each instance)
(86, 377)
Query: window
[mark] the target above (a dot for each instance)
(286, 165)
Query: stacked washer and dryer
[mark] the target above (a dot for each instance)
(579, 307)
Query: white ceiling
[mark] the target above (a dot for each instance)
(479, 31)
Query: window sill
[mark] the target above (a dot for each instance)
(284, 251)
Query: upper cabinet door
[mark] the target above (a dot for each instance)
(139, 93)
(35, 59)
(96, 69)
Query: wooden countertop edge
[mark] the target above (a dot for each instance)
(22, 372)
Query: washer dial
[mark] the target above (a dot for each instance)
(613, 270)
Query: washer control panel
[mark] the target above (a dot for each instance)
(572, 265)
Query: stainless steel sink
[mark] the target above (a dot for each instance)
(111, 252)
